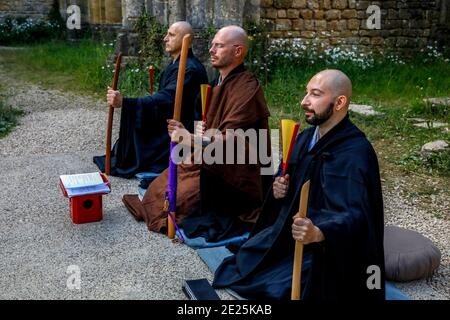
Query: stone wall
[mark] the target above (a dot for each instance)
(202, 14)
(405, 24)
(35, 9)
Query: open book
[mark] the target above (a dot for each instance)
(84, 183)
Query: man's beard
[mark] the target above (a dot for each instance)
(223, 63)
(318, 119)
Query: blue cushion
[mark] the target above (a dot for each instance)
(200, 242)
(394, 293)
(147, 175)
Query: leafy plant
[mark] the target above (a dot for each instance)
(151, 39)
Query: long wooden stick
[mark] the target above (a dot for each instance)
(150, 80)
(298, 255)
(111, 117)
(187, 39)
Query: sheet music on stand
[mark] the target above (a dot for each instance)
(83, 184)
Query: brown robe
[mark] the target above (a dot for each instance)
(237, 103)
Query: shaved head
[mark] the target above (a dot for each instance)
(337, 82)
(183, 27)
(174, 37)
(228, 49)
(327, 99)
(235, 35)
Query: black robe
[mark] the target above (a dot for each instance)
(143, 144)
(345, 203)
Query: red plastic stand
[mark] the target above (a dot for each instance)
(86, 208)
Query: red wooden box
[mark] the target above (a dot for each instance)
(86, 208)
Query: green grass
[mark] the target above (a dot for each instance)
(85, 67)
(62, 65)
(8, 118)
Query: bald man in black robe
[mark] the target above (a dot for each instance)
(343, 233)
(143, 144)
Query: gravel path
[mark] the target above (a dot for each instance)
(118, 258)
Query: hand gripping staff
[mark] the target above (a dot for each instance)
(172, 183)
(111, 116)
(298, 255)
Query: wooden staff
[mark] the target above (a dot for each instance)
(177, 108)
(298, 255)
(150, 80)
(111, 116)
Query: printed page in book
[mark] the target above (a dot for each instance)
(81, 180)
(83, 184)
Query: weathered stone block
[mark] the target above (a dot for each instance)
(277, 34)
(293, 13)
(332, 14)
(368, 33)
(325, 4)
(283, 24)
(298, 24)
(320, 25)
(308, 34)
(353, 24)
(312, 4)
(333, 25)
(281, 13)
(319, 14)
(339, 4)
(362, 5)
(362, 15)
(271, 13)
(377, 41)
(306, 14)
(346, 33)
(301, 4)
(266, 3)
(282, 4)
(349, 14)
(309, 25)
(352, 4)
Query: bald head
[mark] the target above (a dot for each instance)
(235, 35)
(337, 82)
(174, 37)
(182, 27)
